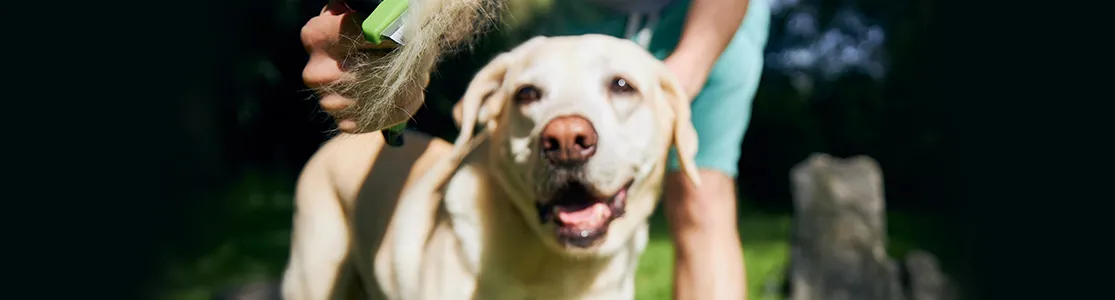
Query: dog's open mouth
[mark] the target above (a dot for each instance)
(581, 215)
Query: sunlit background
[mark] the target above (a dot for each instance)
(842, 77)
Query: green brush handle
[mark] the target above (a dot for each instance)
(394, 134)
(386, 13)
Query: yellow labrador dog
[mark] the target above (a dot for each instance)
(550, 201)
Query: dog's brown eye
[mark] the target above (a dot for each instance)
(621, 86)
(527, 94)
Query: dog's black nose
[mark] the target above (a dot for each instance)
(568, 141)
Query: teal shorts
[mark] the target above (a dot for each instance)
(722, 110)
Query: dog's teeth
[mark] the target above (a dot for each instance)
(584, 233)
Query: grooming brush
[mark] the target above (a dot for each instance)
(385, 26)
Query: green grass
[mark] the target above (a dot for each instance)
(765, 246)
(243, 237)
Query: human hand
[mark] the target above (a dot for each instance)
(329, 38)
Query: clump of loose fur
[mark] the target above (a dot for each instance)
(388, 86)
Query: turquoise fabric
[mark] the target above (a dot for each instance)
(722, 110)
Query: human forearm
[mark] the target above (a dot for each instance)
(709, 27)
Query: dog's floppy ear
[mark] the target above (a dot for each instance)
(487, 112)
(484, 86)
(684, 135)
(482, 100)
(483, 91)
(475, 106)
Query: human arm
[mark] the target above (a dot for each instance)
(709, 27)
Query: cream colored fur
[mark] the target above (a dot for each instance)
(437, 221)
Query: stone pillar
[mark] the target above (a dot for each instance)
(838, 247)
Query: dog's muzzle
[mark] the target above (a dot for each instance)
(580, 212)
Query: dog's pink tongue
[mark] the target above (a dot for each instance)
(589, 217)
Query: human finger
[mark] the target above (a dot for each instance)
(335, 104)
(321, 70)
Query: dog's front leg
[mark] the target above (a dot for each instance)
(319, 241)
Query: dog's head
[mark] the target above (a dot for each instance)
(582, 127)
